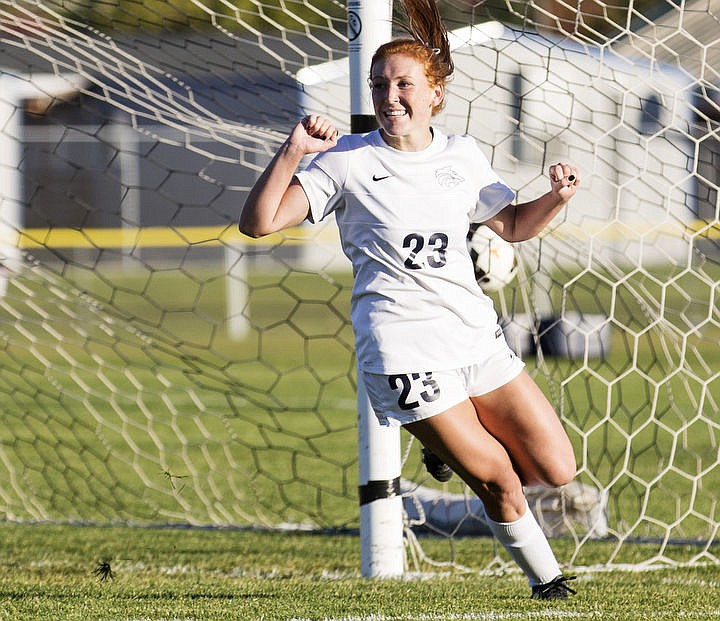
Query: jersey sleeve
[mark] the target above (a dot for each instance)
(491, 199)
(493, 193)
(322, 182)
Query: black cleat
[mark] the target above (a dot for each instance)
(436, 467)
(555, 589)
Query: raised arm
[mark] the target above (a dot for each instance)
(277, 201)
(519, 222)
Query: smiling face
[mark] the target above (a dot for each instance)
(404, 101)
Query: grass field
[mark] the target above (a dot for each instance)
(131, 406)
(51, 572)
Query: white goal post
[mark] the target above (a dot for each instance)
(381, 507)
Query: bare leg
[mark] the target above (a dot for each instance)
(462, 442)
(497, 443)
(520, 417)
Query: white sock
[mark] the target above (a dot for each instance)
(528, 547)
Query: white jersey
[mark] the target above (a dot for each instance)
(403, 219)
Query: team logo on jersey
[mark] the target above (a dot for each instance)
(447, 177)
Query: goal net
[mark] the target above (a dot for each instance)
(158, 368)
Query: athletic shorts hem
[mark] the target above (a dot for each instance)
(403, 398)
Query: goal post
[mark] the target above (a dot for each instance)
(381, 507)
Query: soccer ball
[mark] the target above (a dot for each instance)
(493, 258)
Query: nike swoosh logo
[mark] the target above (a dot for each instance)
(376, 178)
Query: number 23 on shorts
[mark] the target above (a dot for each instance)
(410, 384)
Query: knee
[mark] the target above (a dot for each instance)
(493, 478)
(503, 497)
(560, 472)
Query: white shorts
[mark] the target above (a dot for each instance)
(403, 398)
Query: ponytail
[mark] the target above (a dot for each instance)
(426, 27)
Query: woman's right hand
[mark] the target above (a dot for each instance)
(314, 134)
(275, 202)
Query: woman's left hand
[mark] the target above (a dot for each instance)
(564, 180)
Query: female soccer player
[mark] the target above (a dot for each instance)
(429, 348)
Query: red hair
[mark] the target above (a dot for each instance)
(429, 44)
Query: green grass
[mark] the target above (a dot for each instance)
(49, 572)
(124, 401)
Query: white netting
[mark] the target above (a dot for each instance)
(157, 367)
